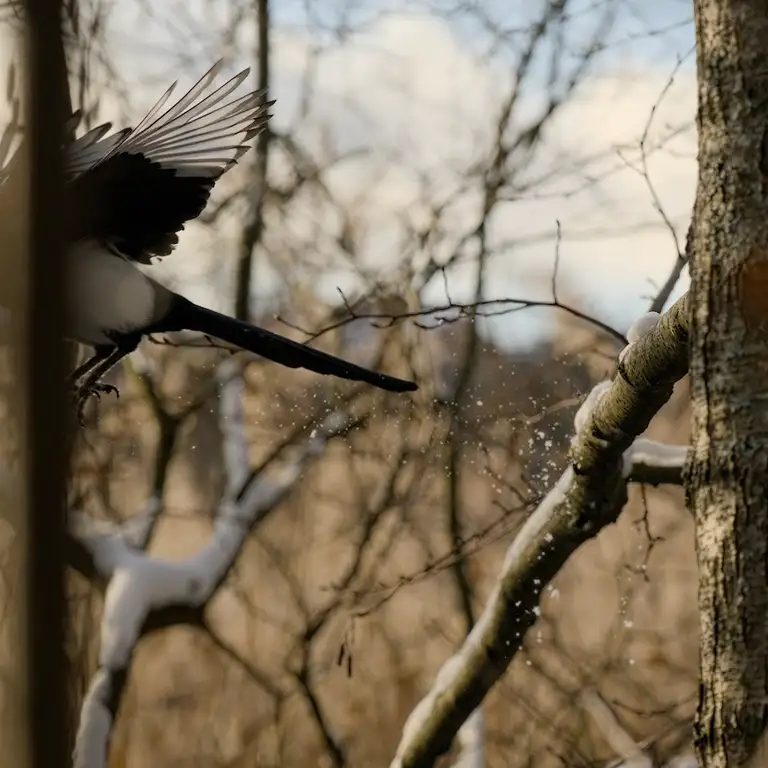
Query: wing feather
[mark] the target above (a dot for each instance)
(140, 186)
(196, 115)
(91, 148)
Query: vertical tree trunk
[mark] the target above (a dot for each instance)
(43, 372)
(728, 477)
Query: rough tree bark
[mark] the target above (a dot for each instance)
(728, 474)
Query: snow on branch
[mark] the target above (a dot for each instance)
(588, 496)
(472, 740)
(653, 463)
(232, 422)
(632, 754)
(139, 584)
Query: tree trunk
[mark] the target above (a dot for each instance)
(728, 474)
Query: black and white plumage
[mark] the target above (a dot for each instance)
(133, 192)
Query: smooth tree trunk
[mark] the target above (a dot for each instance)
(728, 474)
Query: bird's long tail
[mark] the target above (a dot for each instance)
(185, 315)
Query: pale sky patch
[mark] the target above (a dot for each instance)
(415, 95)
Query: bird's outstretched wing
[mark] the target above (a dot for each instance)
(84, 153)
(135, 189)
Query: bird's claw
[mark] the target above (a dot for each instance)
(94, 390)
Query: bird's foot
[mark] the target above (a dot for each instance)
(94, 390)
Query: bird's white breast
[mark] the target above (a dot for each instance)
(106, 293)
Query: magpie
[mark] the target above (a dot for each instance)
(132, 191)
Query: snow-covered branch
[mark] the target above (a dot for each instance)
(632, 754)
(139, 585)
(472, 741)
(588, 496)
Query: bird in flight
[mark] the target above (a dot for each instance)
(134, 190)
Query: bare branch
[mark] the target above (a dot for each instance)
(587, 497)
(140, 586)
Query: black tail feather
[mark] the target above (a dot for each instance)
(184, 315)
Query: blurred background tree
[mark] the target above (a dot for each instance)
(483, 196)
